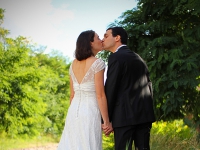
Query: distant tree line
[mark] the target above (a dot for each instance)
(34, 87)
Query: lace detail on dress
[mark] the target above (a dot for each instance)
(97, 66)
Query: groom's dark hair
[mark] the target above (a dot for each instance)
(121, 32)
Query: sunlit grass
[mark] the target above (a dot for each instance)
(173, 136)
(24, 142)
(108, 142)
(164, 136)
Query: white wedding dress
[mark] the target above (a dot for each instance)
(82, 129)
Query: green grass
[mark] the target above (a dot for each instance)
(164, 136)
(173, 136)
(24, 142)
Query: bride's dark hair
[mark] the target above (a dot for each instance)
(83, 46)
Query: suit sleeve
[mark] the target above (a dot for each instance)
(111, 85)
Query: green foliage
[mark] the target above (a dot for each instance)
(103, 55)
(34, 94)
(108, 142)
(173, 129)
(173, 135)
(55, 84)
(3, 32)
(21, 106)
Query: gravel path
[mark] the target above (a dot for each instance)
(47, 147)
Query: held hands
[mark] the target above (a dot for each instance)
(107, 128)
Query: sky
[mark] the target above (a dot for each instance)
(56, 24)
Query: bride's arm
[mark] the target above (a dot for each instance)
(101, 97)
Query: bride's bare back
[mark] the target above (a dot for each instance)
(80, 68)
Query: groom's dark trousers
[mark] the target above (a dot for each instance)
(124, 137)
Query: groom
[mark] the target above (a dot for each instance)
(130, 103)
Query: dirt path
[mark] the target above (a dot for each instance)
(47, 147)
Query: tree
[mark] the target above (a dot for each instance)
(166, 33)
(34, 94)
(3, 32)
(54, 89)
(21, 107)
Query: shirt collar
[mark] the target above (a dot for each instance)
(119, 47)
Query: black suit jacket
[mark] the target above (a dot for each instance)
(127, 91)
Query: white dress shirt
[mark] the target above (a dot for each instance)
(119, 47)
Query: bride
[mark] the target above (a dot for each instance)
(88, 104)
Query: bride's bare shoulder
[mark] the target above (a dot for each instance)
(92, 59)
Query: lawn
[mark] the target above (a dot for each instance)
(164, 136)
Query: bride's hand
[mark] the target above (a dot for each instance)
(107, 128)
